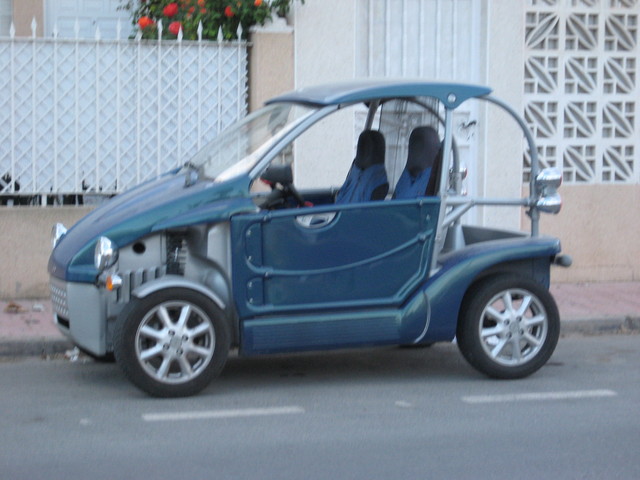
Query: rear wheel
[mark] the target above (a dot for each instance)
(172, 343)
(509, 327)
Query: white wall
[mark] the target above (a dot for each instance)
(324, 52)
(500, 173)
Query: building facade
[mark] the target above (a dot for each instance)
(571, 67)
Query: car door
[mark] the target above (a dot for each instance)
(331, 276)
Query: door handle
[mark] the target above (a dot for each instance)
(315, 220)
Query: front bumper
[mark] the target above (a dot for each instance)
(80, 313)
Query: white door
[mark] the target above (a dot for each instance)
(431, 40)
(90, 14)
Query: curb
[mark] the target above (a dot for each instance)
(36, 347)
(601, 326)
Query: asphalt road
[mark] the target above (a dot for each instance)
(388, 413)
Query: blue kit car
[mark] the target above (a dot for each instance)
(229, 252)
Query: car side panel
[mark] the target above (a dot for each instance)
(529, 256)
(372, 254)
(342, 281)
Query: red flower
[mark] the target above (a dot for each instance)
(257, 3)
(170, 10)
(228, 12)
(174, 27)
(145, 22)
(201, 3)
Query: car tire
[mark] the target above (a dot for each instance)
(171, 343)
(508, 327)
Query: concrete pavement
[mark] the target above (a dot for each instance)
(27, 329)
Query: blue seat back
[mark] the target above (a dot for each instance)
(424, 147)
(367, 177)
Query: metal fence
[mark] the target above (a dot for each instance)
(81, 116)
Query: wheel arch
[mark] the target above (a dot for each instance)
(450, 288)
(536, 269)
(175, 281)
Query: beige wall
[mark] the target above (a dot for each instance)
(25, 244)
(24, 11)
(270, 62)
(599, 227)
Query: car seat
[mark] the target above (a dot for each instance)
(367, 177)
(416, 178)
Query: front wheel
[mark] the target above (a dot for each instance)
(171, 343)
(509, 327)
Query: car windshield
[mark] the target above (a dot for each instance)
(237, 149)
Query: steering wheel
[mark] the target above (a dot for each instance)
(280, 179)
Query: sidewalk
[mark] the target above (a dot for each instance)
(27, 329)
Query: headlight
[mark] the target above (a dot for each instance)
(57, 232)
(106, 254)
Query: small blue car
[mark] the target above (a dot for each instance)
(229, 252)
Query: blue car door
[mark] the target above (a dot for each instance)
(331, 276)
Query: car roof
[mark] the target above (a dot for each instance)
(365, 90)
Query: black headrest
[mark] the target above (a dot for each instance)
(424, 145)
(370, 149)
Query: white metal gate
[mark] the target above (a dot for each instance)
(93, 115)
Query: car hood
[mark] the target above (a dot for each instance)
(166, 202)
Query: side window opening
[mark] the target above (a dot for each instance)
(397, 120)
(323, 157)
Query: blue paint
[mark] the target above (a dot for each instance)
(373, 253)
(357, 91)
(155, 205)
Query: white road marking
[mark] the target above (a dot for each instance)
(209, 414)
(542, 396)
